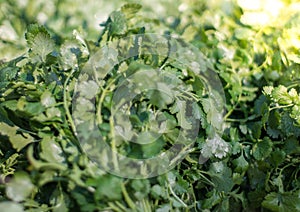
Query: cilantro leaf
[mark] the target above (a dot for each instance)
(221, 176)
(262, 149)
(241, 165)
(18, 141)
(282, 202)
(39, 42)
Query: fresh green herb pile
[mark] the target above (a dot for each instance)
(250, 162)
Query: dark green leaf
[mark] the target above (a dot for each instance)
(282, 202)
(241, 165)
(221, 176)
(262, 149)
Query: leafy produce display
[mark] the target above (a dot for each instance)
(154, 106)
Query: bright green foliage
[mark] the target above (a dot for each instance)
(287, 100)
(246, 159)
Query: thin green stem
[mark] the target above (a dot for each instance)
(99, 107)
(205, 178)
(176, 197)
(146, 205)
(114, 207)
(113, 143)
(123, 208)
(66, 105)
(232, 109)
(103, 94)
(127, 197)
(279, 107)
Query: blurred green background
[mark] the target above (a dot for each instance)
(62, 17)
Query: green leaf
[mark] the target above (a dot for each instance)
(32, 31)
(105, 185)
(20, 187)
(141, 188)
(277, 157)
(51, 151)
(261, 108)
(274, 119)
(40, 42)
(215, 146)
(88, 89)
(259, 105)
(256, 176)
(268, 90)
(241, 165)
(291, 146)
(59, 200)
(280, 95)
(47, 99)
(213, 198)
(224, 205)
(214, 114)
(181, 115)
(181, 186)
(29, 108)
(282, 202)
(287, 125)
(296, 114)
(130, 10)
(157, 191)
(221, 176)
(162, 96)
(255, 129)
(8, 73)
(152, 149)
(262, 149)
(256, 197)
(18, 141)
(118, 23)
(73, 52)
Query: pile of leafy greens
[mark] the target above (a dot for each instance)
(251, 162)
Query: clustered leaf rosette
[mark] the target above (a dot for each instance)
(215, 146)
(282, 98)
